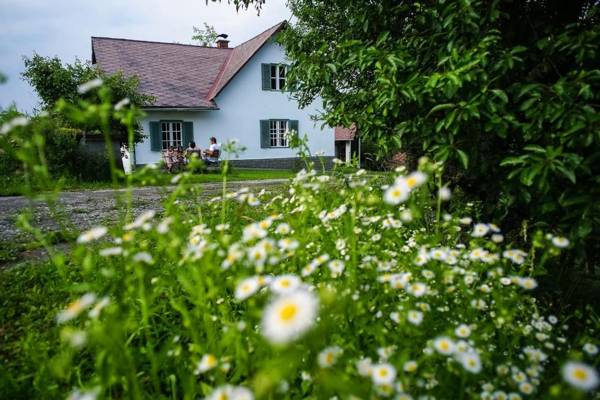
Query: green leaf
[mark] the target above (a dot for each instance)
(511, 161)
(440, 107)
(464, 158)
(528, 103)
(501, 94)
(567, 173)
(535, 148)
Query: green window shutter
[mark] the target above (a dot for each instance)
(293, 125)
(265, 137)
(155, 137)
(187, 134)
(266, 76)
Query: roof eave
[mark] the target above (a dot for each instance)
(179, 108)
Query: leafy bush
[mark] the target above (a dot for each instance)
(506, 90)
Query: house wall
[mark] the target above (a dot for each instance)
(242, 105)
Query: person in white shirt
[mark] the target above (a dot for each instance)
(213, 152)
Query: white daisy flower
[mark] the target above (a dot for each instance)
(526, 387)
(205, 364)
(465, 220)
(246, 288)
(497, 238)
(383, 374)
(470, 361)
(90, 85)
(527, 283)
(92, 234)
(444, 193)
(229, 392)
(590, 348)
(144, 257)
(397, 193)
(76, 307)
(141, 220)
(463, 331)
(417, 289)
(257, 255)
(415, 179)
(444, 345)
(285, 284)
(364, 366)
(287, 244)
(336, 267)
(289, 316)
(95, 311)
(253, 232)
(580, 375)
(85, 395)
(560, 242)
(480, 230)
(111, 251)
(328, 356)
(410, 366)
(415, 317)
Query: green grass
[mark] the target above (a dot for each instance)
(13, 186)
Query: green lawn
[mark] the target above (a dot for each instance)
(13, 186)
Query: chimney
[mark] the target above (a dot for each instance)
(222, 42)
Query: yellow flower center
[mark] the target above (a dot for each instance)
(580, 374)
(411, 182)
(75, 306)
(383, 373)
(444, 346)
(285, 283)
(211, 360)
(288, 312)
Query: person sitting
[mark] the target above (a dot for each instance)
(180, 156)
(192, 151)
(170, 158)
(211, 155)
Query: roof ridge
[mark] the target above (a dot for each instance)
(157, 42)
(255, 36)
(209, 95)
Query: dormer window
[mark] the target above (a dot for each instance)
(273, 76)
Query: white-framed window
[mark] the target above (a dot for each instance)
(278, 72)
(278, 129)
(171, 134)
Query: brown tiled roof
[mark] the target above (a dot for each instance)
(342, 133)
(177, 75)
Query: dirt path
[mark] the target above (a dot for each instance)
(90, 208)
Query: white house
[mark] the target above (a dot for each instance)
(216, 91)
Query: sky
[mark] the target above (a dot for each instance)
(63, 28)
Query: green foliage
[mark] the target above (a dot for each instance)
(53, 81)
(507, 93)
(206, 36)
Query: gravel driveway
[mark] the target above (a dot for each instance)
(90, 208)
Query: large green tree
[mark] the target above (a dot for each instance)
(507, 93)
